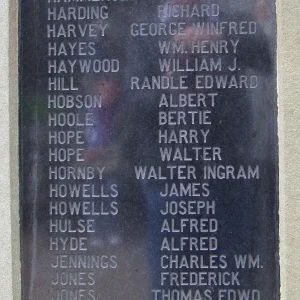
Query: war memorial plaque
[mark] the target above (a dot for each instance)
(148, 145)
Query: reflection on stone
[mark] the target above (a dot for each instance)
(148, 150)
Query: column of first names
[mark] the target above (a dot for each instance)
(197, 58)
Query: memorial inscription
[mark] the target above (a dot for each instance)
(148, 150)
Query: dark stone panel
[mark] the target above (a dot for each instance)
(148, 150)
